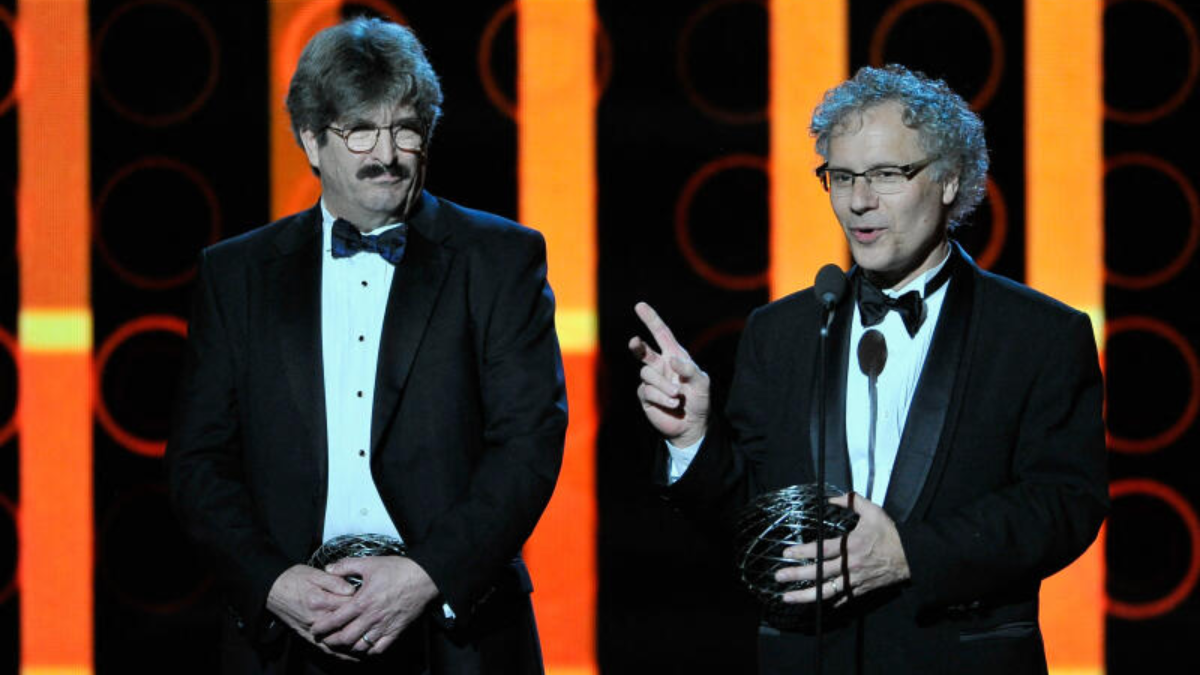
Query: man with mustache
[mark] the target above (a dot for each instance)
(976, 455)
(384, 363)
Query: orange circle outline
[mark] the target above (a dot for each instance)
(483, 61)
(1175, 100)
(1136, 611)
(7, 590)
(999, 234)
(124, 499)
(733, 282)
(689, 88)
(186, 111)
(297, 33)
(9, 428)
(143, 164)
(1139, 282)
(1175, 338)
(8, 100)
(714, 332)
(143, 324)
(985, 94)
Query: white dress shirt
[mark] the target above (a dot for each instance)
(354, 293)
(896, 385)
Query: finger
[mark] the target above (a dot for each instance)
(652, 377)
(643, 352)
(685, 368)
(348, 566)
(655, 396)
(333, 583)
(330, 623)
(832, 549)
(830, 588)
(807, 572)
(662, 334)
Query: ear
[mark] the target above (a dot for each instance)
(311, 147)
(949, 190)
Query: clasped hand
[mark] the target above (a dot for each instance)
(324, 608)
(874, 557)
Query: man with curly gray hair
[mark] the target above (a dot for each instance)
(963, 411)
(378, 374)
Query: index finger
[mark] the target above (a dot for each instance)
(662, 334)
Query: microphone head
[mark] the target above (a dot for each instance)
(872, 353)
(830, 285)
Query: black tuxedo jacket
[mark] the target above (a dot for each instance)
(467, 427)
(1000, 479)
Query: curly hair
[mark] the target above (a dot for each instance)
(359, 65)
(947, 127)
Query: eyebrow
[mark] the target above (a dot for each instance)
(881, 165)
(411, 122)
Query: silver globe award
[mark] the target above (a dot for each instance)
(772, 522)
(355, 546)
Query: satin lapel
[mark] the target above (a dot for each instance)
(932, 402)
(411, 299)
(837, 464)
(293, 284)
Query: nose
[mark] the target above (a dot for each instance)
(862, 196)
(385, 147)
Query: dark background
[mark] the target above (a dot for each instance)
(183, 161)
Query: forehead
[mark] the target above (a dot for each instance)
(873, 137)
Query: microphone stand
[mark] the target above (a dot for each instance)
(826, 319)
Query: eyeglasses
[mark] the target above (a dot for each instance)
(362, 140)
(884, 180)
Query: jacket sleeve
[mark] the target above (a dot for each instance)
(204, 462)
(524, 407)
(1052, 509)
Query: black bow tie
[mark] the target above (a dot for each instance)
(873, 304)
(347, 241)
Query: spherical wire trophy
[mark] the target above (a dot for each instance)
(355, 546)
(772, 522)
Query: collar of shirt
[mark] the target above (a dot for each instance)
(327, 220)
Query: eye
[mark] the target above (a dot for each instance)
(886, 175)
(840, 178)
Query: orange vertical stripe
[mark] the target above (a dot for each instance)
(1065, 255)
(53, 217)
(809, 54)
(292, 25)
(557, 193)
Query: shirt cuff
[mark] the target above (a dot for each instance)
(681, 459)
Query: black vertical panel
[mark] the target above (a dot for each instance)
(179, 133)
(1151, 60)
(9, 298)
(473, 158)
(688, 88)
(978, 48)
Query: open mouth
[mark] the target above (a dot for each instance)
(866, 235)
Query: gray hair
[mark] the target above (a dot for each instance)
(358, 65)
(946, 125)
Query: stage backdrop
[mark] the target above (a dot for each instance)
(662, 149)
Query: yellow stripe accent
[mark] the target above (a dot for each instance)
(56, 670)
(576, 330)
(57, 331)
(1077, 671)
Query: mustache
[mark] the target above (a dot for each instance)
(395, 170)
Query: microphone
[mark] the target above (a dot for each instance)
(872, 357)
(830, 285)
